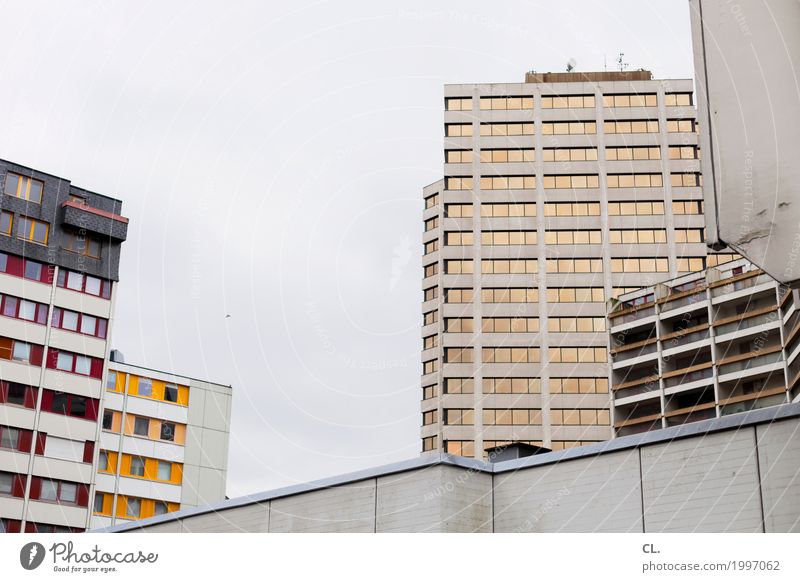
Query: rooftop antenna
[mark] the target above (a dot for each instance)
(621, 62)
(605, 64)
(571, 65)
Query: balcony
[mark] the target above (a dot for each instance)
(696, 373)
(749, 361)
(85, 217)
(746, 320)
(746, 282)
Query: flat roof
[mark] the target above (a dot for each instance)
(731, 422)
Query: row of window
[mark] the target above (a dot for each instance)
(529, 266)
(35, 312)
(143, 467)
(644, 208)
(73, 280)
(142, 426)
(147, 387)
(54, 401)
(583, 154)
(129, 507)
(556, 182)
(28, 229)
(569, 101)
(526, 355)
(571, 127)
(526, 417)
(44, 489)
(510, 324)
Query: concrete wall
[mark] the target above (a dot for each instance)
(740, 473)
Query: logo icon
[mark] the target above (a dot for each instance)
(31, 555)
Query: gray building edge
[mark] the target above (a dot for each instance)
(739, 473)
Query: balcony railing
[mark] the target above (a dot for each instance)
(747, 322)
(749, 363)
(621, 356)
(690, 374)
(741, 284)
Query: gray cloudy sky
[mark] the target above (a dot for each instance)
(271, 157)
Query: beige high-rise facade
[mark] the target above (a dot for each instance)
(558, 194)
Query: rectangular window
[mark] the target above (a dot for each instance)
(111, 380)
(572, 237)
(9, 437)
(102, 462)
(458, 183)
(510, 355)
(637, 126)
(630, 100)
(6, 220)
(141, 426)
(634, 181)
(458, 130)
(511, 386)
(81, 244)
(508, 237)
(458, 267)
(459, 416)
(6, 483)
(510, 295)
(506, 129)
(108, 420)
(633, 153)
(568, 127)
(458, 104)
(506, 266)
(636, 208)
(458, 156)
(32, 230)
(458, 210)
(428, 417)
(458, 325)
(137, 467)
(49, 491)
(507, 210)
(569, 154)
(568, 102)
(505, 156)
(133, 507)
(84, 283)
(571, 209)
(145, 387)
(506, 103)
(508, 182)
(98, 502)
(459, 386)
(160, 508)
(23, 187)
(167, 431)
(171, 393)
(164, 471)
(571, 182)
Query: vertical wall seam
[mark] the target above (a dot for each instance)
(375, 514)
(758, 476)
(641, 487)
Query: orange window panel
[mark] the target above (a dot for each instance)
(125, 467)
(158, 389)
(116, 422)
(151, 469)
(177, 473)
(173, 507)
(154, 430)
(180, 434)
(183, 395)
(112, 462)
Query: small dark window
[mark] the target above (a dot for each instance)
(59, 403)
(78, 406)
(170, 393)
(108, 418)
(16, 394)
(167, 431)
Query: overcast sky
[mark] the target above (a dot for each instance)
(271, 157)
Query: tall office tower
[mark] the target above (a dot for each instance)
(59, 260)
(558, 194)
(704, 345)
(164, 444)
